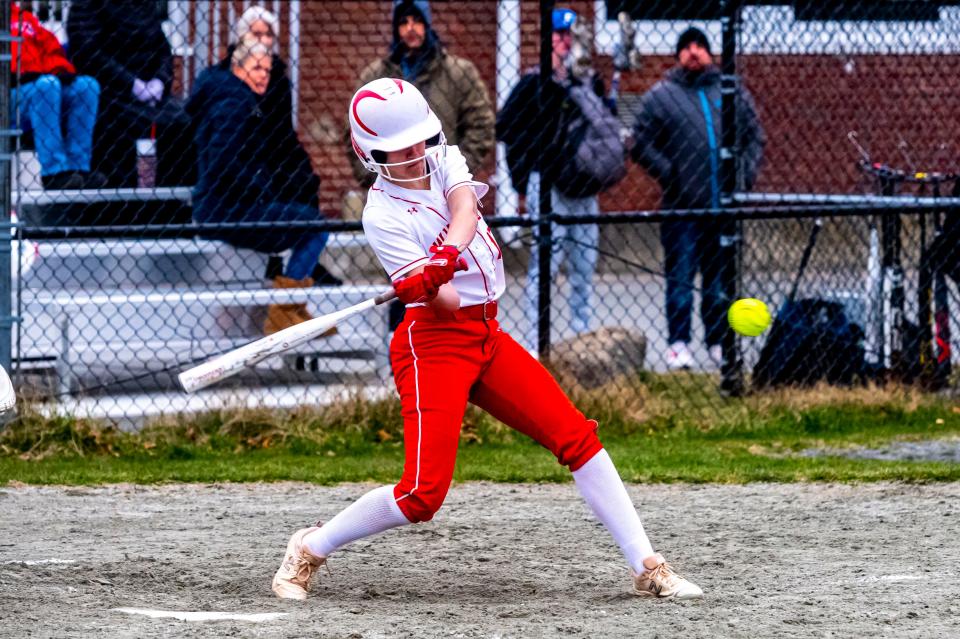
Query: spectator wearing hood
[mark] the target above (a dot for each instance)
(677, 134)
(53, 97)
(122, 45)
(241, 179)
(451, 85)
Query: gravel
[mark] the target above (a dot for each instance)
(500, 560)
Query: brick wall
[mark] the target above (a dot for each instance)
(806, 103)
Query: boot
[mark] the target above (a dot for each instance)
(281, 316)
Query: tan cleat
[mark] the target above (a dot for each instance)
(292, 580)
(659, 580)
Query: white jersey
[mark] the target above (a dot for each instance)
(402, 224)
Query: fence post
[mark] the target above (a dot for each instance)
(894, 361)
(731, 238)
(6, 184)
(545, 221)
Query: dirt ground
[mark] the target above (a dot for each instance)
(808, 560)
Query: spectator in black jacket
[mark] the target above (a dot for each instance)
(122, 45)
(241, 179)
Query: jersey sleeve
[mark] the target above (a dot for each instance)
(455, 174)
(395, 244)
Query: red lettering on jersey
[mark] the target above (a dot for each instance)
(442, 236)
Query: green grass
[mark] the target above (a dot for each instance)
(657, 428)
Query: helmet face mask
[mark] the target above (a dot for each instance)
(389, 115)
(434, 151)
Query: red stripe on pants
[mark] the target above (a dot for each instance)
(440, 365)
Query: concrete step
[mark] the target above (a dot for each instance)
(121, 263)
(132, 410)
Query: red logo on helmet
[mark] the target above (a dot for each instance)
(358, 150)
(399, 84)
(366, 93)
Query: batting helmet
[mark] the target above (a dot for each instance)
(390, 115)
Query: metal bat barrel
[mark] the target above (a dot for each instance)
(231, 363)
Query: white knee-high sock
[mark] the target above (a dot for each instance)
(602, 488)
(373, 513)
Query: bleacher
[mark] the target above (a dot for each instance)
(116, 313)
(100, 312)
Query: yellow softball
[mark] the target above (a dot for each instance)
(749, 316)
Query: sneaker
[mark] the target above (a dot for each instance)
(292, 580)
(659, 580)
(678, 356)
(716, 355)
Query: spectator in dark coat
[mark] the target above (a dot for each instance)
(122, 45)
(242, 180)
(277, 108)
(677, 138)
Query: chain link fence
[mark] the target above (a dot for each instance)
(177, 195)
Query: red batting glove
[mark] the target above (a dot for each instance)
(444, 263)
(415, 289)
(424, 286)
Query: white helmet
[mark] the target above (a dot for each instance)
(390, 115)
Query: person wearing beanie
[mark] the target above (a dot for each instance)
(692, 35)
(677, 135)
(451, 85)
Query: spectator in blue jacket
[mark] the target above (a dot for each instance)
(240, 178)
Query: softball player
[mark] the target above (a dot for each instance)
(422, 220)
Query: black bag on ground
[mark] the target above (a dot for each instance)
(812, 340)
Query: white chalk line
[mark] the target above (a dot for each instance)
(39, 562)
(184, 615)
(892, 578)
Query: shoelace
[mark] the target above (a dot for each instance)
(301, 564)
(303, 569)
(665, 575)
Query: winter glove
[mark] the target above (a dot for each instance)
(140, 90)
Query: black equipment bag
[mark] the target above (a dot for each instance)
(812, 340)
